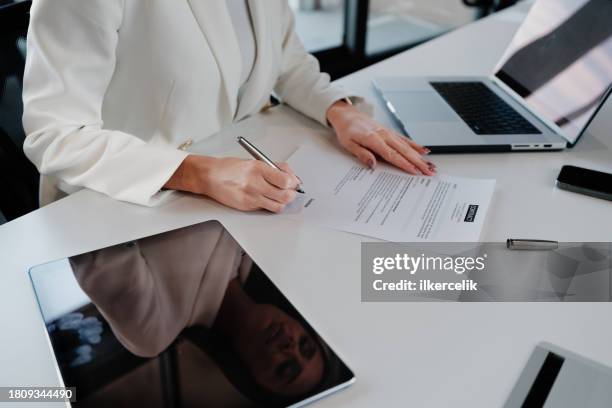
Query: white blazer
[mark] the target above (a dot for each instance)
(113, 87)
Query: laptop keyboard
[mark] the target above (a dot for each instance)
(483, 110)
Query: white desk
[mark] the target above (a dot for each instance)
(417, 354)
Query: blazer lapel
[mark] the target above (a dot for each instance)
(256, 87)
(216, 25)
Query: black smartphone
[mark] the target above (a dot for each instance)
(585, 181)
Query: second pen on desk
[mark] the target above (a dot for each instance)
(258, 155)
(531, 244)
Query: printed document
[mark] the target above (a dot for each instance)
(387, 203)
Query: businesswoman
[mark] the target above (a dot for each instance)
(114, 88)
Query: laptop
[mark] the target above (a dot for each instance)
(550, 83)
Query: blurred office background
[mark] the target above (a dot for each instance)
(390, 23)
(345, 35)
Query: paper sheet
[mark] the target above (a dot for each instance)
(387, 203)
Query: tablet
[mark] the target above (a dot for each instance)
(184, 318)
(555, 377)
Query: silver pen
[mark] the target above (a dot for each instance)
(531, 244)
(258, 155)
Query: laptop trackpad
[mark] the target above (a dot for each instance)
(414, 107)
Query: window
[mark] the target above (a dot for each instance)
(319, 23)
(347, 35)
(393, 24)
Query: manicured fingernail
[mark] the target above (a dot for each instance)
(297, 177)
(426, 150)
(371, 164)
(431, 165)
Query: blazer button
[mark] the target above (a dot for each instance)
(266, 107)
(185, 145)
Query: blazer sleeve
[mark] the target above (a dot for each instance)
(301, 84)
(70, 62)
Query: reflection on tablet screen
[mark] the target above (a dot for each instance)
(182, 318)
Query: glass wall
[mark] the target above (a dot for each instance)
(319, 23)
(398, 23)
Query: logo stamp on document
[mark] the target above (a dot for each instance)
(471, 213)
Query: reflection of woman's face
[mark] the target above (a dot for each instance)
(282, 356)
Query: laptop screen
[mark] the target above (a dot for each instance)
(560, 61)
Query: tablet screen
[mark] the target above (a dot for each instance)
(182, 318)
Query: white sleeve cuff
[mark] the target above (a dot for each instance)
(138, 174)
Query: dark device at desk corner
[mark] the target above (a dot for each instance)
(585, 181)
(556, 378)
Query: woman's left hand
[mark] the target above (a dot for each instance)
(365, 138)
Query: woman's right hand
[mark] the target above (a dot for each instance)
(246, 185)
